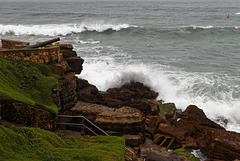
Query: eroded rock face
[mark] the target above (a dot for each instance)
(87, 92)
(124, 120)
(68, 95)
(28, 115)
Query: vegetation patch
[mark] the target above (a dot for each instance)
(102, 92)
(185, 153)
(25, 144)
(27, 82)
(165, 107)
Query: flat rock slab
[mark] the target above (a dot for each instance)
(125, 120)
(89, 110)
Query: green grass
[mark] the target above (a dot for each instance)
(164, 108)
(185, 153)
(25, 144)
(102, 92)
(27, 82)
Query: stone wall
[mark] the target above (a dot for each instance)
(28, 115)
(11, 44)
(46, 55)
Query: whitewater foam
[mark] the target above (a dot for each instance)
(61, 29)
(173, 86)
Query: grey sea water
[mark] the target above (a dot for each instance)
(187, 50)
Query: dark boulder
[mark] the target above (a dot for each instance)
(132, 91)
(87, 92)
(75, 64)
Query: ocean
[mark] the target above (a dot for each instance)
(187, 50)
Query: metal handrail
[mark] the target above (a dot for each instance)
(86, 120)
(70, 116)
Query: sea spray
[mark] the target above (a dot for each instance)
(182, 88)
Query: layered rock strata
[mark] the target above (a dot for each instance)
(28, 115)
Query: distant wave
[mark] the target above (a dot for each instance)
(194, 28)
(60, 29)
(238, 13)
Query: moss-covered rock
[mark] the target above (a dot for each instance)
(27, 82)
(25, 144)
(185, 153)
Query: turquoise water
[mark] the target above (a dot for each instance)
(187, 50)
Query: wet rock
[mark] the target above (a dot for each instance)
(75, 63)
(87, 92)
(145, 106)
(28, 115)
(124, 120)
(132, 91)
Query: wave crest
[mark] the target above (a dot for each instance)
(60, 29)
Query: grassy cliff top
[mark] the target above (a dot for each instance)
(27, 144)
(27, 82)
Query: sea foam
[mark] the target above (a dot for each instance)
(173, 86)
(61, 29)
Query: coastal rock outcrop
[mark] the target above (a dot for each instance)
(212, 139)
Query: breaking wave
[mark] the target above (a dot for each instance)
(61, 29)
(201, 89)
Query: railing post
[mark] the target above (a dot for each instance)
(83, 125)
